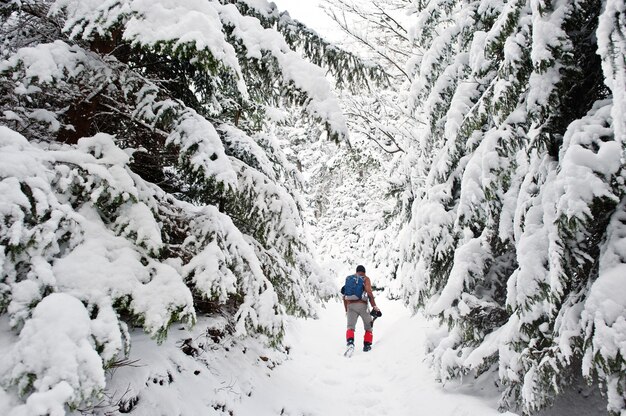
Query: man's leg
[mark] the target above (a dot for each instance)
(352, 318)
(368, 338)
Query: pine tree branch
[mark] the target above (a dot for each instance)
(128, 116)
(347, 68)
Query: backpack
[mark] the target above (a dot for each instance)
(354, 289)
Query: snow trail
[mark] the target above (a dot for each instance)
(392, 379)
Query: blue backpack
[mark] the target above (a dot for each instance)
(354, 289)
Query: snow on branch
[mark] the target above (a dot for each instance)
(195, 30)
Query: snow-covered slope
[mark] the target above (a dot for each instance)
(203, 372)
(392, 379)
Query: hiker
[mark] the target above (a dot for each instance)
(357, 291)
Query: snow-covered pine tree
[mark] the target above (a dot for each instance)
(141, 183)
(351, 208)
(362, 191)
(516, 230)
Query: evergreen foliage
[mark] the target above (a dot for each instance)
(515, 230)
(363, 192)
(143, 183)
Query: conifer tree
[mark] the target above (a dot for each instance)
(143, 183)
(511, 235)
(365, 188)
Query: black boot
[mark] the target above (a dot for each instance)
(367, 346)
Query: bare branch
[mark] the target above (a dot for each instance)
(343, 24)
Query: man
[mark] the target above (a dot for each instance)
(358, 307)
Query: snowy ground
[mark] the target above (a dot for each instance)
(314, 379)
(217, 375)
(392, 379)
(243, 378)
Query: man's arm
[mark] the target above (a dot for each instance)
(368, 290)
